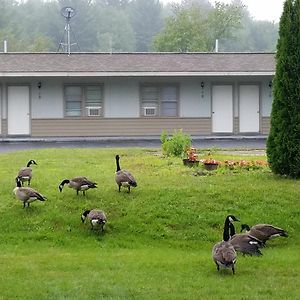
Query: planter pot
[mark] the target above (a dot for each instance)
(190, 163)
(210, 167)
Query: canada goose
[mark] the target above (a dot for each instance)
(223, 253)
(78, 184)
(123, 177)
(97, 217)
(25, 174)
(27, 194)
(264, 232)
(245, 243)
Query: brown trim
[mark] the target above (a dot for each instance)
(118, 126)
(265, 125)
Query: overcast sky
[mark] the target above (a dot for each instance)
(259, 9)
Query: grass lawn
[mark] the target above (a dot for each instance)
(158, 239)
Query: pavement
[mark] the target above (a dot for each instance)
(199, 142)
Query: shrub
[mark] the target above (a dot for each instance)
(175, 145)
(283, 146)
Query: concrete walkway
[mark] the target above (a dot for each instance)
(200, 142)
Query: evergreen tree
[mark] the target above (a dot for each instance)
(283, 144)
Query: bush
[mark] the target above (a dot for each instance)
(283, 146)
(176, 144)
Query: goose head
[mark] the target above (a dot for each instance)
(245, 227)
(60, 187)
(31, 162)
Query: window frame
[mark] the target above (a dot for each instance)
(159, 86)
(83, 100)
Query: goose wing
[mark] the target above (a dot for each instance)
(265, 231)
(83, 181)
(224, 253)
(31, 193)
(246, 244)
(125, 176)
(97, 214)
(25, 172)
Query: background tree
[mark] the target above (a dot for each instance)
(283, 144)
(114, 31)
(131, 25)
(146, 20)
(195, 26)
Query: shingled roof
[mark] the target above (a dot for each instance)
(115, 64)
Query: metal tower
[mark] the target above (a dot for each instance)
(65, 42)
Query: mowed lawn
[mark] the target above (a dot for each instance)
(158, 239)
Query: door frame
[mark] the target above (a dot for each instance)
(232, 108)
(29, 107)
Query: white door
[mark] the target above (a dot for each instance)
(249, 108)
(18, 115)
(222, 109)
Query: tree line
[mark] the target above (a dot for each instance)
(134, 26)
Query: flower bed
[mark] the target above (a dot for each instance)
(210, 164)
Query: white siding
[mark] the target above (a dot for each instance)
(266, 98)
(121, 98)
(47, 102)
(192, 104)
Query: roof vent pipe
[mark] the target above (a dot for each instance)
(5, 46)
(217, 46)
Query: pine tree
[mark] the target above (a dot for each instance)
(283, 144)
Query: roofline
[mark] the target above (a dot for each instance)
(135, 53)
(133, 74)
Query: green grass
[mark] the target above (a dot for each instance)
(158, 239)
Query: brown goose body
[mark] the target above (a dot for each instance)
(80, 184)
(245, 243)
(264, 232)
(25, 174)
(27, 194)
(96, 217)
(223, 253)
(124, 178)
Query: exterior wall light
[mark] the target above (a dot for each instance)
(202, 89)
(270, 89)
(39, 85)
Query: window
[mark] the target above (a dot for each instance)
(81, 101)
(159, 100)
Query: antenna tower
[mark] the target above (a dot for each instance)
(65, 43)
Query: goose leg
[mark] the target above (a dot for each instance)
(129, 189)
(232, 270)
(119, 188)
(24, 204)
(218, 267)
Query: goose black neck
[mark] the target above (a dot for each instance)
(18, 181)
(65, 181)
(232, 230)
(226, 234)
(117, 162)
(86, 213)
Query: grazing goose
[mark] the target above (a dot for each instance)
(223, 253)
(245, 243)
(27, 194)
(264, 232)
(97, 218)
(123, 177)
(79, 184)
(25, 174)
